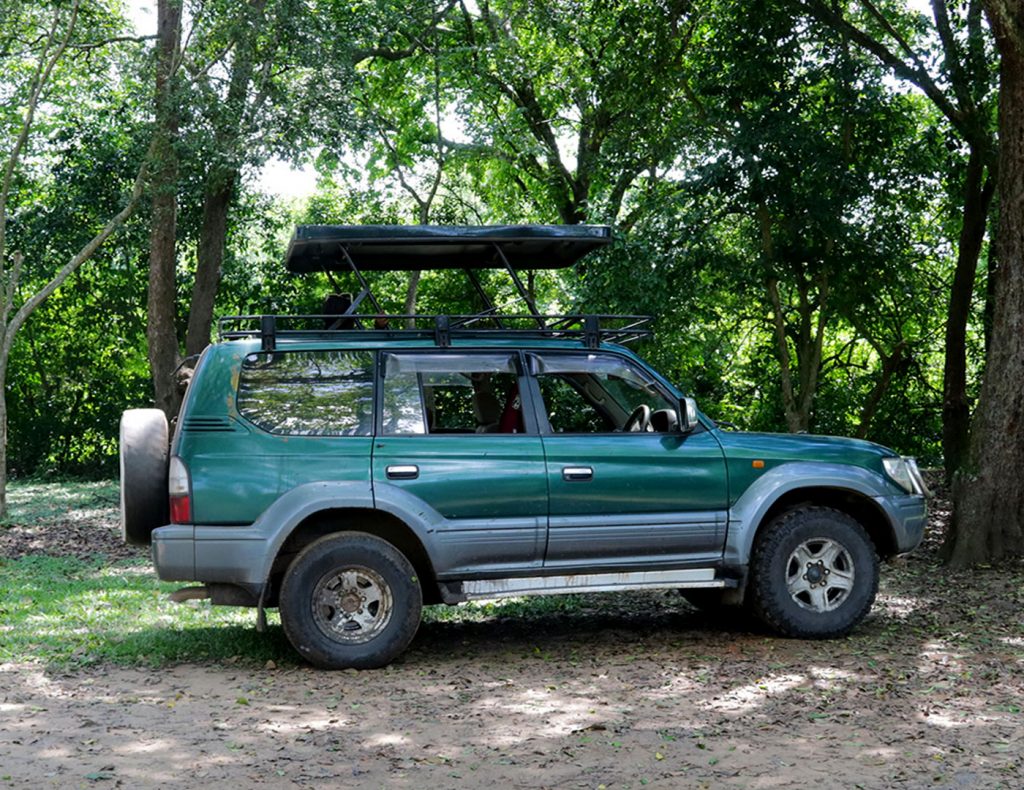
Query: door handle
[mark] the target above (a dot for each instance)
(577, 473)
(402, 472)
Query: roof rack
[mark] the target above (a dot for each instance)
(591, 329)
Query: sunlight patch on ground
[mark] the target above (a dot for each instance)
(947, 720)
(753, 694)
(555, 714)
(898, 605)
(388, 739)
(831, 674)
(937, 655)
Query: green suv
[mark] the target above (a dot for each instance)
(349, 468)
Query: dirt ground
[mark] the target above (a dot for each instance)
(625, 692)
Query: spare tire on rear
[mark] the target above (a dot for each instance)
(144, 457)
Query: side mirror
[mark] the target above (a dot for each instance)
(688, 415)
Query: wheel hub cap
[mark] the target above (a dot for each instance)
(820, 575)
(352, 605)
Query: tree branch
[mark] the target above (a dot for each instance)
(916, 75)
(87, 251)
(40, 77)
(114, 40)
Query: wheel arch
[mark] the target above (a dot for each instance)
(852, 490)
(862, 508)
(379, 523)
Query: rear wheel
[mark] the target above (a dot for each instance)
(143, 463)
(350, 600)
(814, 573)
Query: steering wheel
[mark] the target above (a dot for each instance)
(640, 419)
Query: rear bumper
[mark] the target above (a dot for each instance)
(194, 552)
(907, 515)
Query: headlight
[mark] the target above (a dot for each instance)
(904, 472)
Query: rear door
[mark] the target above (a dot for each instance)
(452, 436)
(626, 487)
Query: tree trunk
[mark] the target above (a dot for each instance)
(218, 191)
(3, 436)
(411, 292)
(956, 413)
(988, 499)
(891, 364)
(212, 240)
(798, 397)
(161, 333)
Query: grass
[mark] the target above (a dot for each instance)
(62, 608)
(33, 502)
(65, 613)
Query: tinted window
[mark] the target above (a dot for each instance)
(309, 393)
(451, 393)
(597, 393)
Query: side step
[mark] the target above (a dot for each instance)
(585, 582)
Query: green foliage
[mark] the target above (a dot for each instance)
(734, 145)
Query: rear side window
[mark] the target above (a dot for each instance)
(451, 393)
(308, 393)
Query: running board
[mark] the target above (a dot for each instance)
(588, 582)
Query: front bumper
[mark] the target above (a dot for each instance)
(907, 514)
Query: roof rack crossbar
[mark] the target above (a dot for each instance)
(441, 329)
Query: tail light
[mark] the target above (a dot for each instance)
(179, 490)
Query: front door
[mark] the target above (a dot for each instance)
(627, 489)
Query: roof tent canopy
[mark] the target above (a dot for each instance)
(316, 248)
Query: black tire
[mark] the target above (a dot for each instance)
(143, 462)
(350, 600)
(814, 573)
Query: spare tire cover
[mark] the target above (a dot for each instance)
(144, 457)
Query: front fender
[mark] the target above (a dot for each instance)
(749, 510)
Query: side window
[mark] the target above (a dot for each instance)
(308, 393)
(600, 393)
(567, 408)
(451, 393)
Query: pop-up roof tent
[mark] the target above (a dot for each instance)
(359, 248)
(316, 248)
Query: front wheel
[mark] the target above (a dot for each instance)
(350, 600)
(814, 573)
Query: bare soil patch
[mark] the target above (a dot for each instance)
(618, 691)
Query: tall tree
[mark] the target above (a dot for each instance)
(37, 44)
(988, 512)
(807, 144)
(229, 121)
(570, 105)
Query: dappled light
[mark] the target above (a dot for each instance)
(614, 689)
